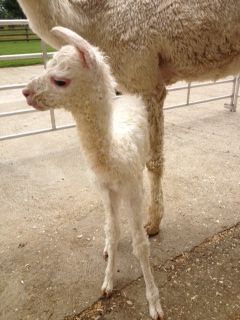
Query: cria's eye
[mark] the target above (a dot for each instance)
(60, 82)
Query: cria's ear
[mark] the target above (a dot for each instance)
(86, 51)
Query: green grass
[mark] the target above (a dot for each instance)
(18, 47)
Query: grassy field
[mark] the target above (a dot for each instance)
(17, 47)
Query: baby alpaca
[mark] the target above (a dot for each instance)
(114, 138)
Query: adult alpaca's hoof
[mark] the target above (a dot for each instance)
(155, 214)
(152, 229)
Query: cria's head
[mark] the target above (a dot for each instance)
(76, 73)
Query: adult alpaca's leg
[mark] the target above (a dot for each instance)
(154, 103)
(140, 244)
(112, 230)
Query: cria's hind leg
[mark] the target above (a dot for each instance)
(112, 231)
(141, 250)
(154, 104)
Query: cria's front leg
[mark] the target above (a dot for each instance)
(112, 231)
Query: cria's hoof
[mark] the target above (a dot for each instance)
(156, 312)
(151, 229)
(106, 293)
(107, 287)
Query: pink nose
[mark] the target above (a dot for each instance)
(26, 92)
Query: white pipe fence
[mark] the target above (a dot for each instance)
(44, 55)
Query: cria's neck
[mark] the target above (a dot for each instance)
(94, 123)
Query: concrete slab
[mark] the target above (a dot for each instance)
(52, 217)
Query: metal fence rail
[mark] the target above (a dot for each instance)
(16, 33)
(44, 55)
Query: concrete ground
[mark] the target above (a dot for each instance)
(52, 219)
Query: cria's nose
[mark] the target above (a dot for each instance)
(26, 92)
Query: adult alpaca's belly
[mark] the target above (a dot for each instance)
(203, 72)
(213, 62)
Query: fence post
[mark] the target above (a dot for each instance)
(232, 106)
(188, 93)
(27, 35)
(236, 94)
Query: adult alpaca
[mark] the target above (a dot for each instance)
(150, 44)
